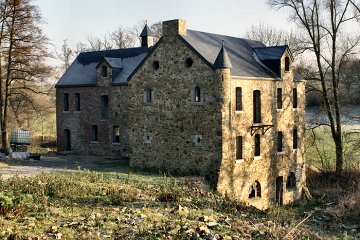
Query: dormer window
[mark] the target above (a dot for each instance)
(104, 71)
(287, 64)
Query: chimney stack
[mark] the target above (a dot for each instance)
(173, 27)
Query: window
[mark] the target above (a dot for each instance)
(156, 65)
(238, 93)
(116, 134)
(295, 99)
(295, 139)
(257, 106)
(104, 71)
(104, 107)
(280, 141)
(148, 95)
(255, 190)
(94, 133)
(287, 64)
(279, 98)
(257, 145)
(291, 181)
(77, 102)
(189, 62)
(197, 94)
(239, 148)
(66, 102)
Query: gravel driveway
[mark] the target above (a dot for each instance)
(56, 163)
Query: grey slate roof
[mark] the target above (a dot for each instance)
(240, 52)
(222, 60)
(147, 32)
(270, 53)
(82, 71)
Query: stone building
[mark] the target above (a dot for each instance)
(226, 108)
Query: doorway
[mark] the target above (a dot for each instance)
(67, 140)
(279, 190)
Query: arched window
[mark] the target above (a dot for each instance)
(257, 106)
(291, 181)
(197, 94)
(255, 190)
(287, 64)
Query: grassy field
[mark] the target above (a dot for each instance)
(320, 149)
(119, 203)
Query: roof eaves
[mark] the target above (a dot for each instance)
(145, 58)
(196, 52)
(75, 85)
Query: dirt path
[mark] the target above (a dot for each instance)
(55, 163)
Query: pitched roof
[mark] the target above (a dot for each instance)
(222, 60)
(147, 32)
(82, 71)
(239, 50)
(270, 53)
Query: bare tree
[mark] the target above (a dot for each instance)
(271, 36)
(323, 23)
(65, 55)
(23, 52)
(123, 38)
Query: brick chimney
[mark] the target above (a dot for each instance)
(173, 27)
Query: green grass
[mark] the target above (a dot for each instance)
(320, 149)
(2, 165)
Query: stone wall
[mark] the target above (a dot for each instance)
(174, 133)
(238, 176)
(80, 123)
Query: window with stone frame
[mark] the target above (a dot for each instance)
(295, 138)
(295, 98)
(238, 100)
(279, 100)
(148, 95)
(104, 71)
(257, 106)
(77, 102)
(104, 107)
(279, 141)
(94, 133)
(197, 94)
(116, 134)
(257, 145)
(66, 102)
(239, 147)
(291, 181)
(287, 64)
(255, 190)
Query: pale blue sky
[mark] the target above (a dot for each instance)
(75, 19)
